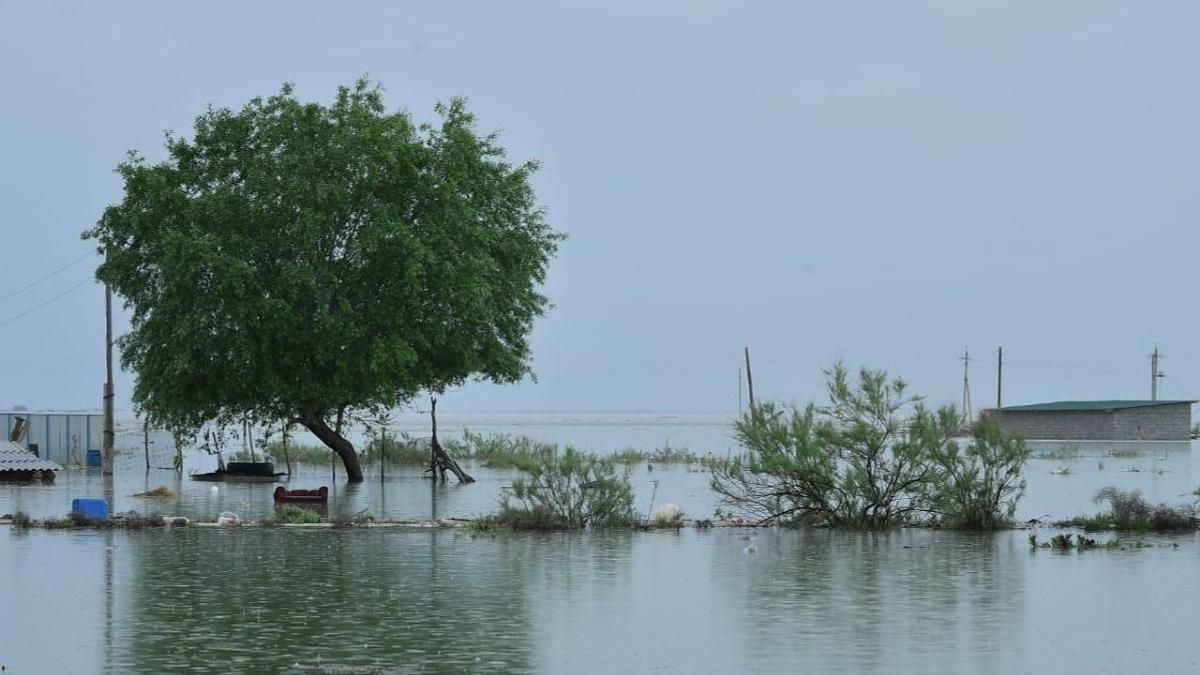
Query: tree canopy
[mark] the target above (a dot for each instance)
(294, 260)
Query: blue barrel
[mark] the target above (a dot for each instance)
(90, 507)
(93, 458)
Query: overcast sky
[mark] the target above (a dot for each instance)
(885, 183)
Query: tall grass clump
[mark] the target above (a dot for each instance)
(873, 457)
(572, 490)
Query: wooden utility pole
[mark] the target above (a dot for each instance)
(749, 380)
(146, 439)
(106, 448)
(999, 374)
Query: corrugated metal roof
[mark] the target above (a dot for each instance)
(15, 458)
(1094, 406)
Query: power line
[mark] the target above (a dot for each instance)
(56, 272)
(35, 308)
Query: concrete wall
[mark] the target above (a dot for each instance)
(1152, 423)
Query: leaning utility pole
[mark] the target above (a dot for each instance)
(999, 374)
(966, 397)
(106, 449)
(749, 380)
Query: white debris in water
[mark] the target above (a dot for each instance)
(667, 513)
(228, 518)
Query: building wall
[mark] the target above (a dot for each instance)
(64, 438)
(1157, 423)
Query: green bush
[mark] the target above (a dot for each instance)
(873, 457)
(298, 515)
(977, 487)
(569, 491)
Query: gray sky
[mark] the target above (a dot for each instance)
(882, 182)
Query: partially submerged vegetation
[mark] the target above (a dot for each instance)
(495, 451)
(160, 492)
(572, 490)
(298, 515)
(128, 521)
(1129, 511)
(1064, 542)
(874, 457)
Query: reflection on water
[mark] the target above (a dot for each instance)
(910, 601)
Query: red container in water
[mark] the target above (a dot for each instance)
(320, 496)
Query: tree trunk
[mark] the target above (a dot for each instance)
(439, 461)
(334, 441)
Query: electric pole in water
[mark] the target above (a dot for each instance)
(999, 374)
(966, 400)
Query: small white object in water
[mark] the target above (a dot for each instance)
(752, 548)
(214, 489)
(1061, 471)
(228, 518)
(667, 513)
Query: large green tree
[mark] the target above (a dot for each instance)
(294, 261)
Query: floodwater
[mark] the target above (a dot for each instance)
(376, 601)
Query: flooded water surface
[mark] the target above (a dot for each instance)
(393, 601)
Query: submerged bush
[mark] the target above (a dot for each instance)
(569, 491)
(1128, 510)
(978, 486)
(874, 457)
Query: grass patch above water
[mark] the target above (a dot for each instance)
(1069, 452)
(298, 515)
(494, 451)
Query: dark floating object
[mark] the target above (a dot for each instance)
(243, 472)
(319, 496)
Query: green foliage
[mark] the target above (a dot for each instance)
(977, 487)
(874, 457)
(501, 451)
(293, 259)
(569, 491)
(865, 460)
(298, 515)
(1061, 542)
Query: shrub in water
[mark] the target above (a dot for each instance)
(569, 491)
(979, 486)
(867, 459)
